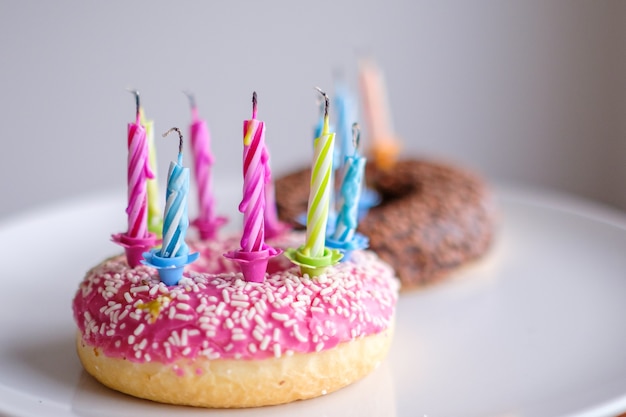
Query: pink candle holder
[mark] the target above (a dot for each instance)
(207, 229)
(253, 264)
(134, 247)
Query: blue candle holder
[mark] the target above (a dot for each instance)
(346, 247)
(170, 269)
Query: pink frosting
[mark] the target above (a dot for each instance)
(214, 313)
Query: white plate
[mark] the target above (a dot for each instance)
(536, 329)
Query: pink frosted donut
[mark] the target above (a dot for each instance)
(215, 340)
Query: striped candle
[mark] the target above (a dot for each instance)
(203, 160)
(254, 165)
(138, 173)
(176, 221)
(346, 116)
(351, 185)
(320, 190)
(155, 221)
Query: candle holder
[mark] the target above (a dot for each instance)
(346, 247)
(134, 246)
(253, 264)
(170, 269)
(207, 229)
(313, 265)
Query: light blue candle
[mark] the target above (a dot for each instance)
(176, 220)
(350, 194)
(346, 116)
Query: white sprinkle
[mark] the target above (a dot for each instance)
(229, 323)
(131, 339)
(238, 336)
(194, 332)
(141, 288)
(183, 306)
(277, 352)
(142, 345)
(186, 351)
(168, 351)
(319, 346)
(184, 340)
(252, 348)
(260, 321)
(265, 343)
(139, 329)
(183, 297)
(298, 304)
(153, 290)
(290, 323)
(257, 334)
(240, 297)
(317, 310)
(298, 335)
(138, 354)
(238, 303)
(128, 297)
(226, 296)
(280, 316)
(183, 317)
(276, 334)
(220, 308)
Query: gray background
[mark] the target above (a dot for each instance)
(529, 92)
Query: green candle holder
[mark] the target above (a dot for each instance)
(313, 265)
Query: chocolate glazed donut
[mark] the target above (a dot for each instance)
(433, 217)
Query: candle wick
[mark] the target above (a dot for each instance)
(192, 99)
(180, 138)
(356, 136)
(326, 101)
(137, 103)
(254, 104)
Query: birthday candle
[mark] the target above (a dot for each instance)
(155, 221)
(176, 221)
(384, 146)
(319, 194)
(346, 115)
(203, 160)
(138, 173)
(350, 193)
(253, 203)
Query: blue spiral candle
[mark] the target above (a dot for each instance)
(173, 255)
(176, 221)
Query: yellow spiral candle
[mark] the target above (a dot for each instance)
(319, 195)
(155, 220)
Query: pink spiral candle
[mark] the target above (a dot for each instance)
(138, 173)
(254, 165)
(203, 160)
